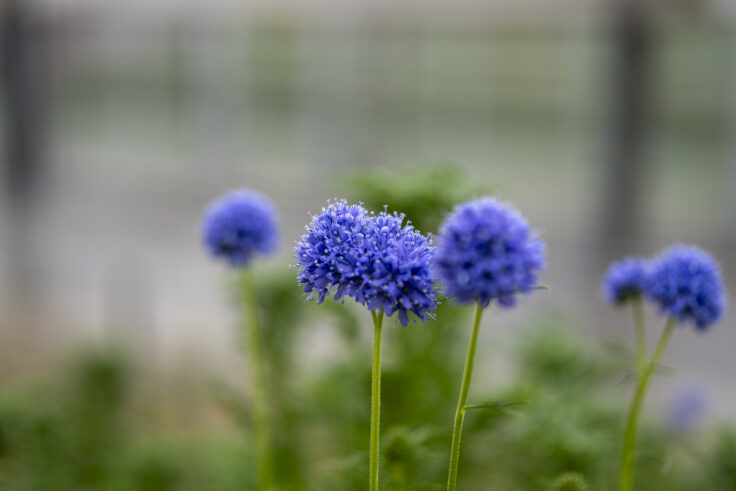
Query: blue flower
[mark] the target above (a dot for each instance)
(374, 259)
(625, 279)
(486, 250)
(240, 225)
(332, 254)
(685, 282)
(398, 278)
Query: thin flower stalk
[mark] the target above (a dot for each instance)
(261, 417)
(457, 428)
(629, 453)
(637, 307)
(375, 401)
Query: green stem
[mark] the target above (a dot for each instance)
(460, 412)
(637, 306)
(629, 455)
(256, 366)
(375, 400)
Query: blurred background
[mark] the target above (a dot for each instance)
(610, 124)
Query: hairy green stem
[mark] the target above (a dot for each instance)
(460, 412)
(375, 400)
(256, 366)
(629, 453)
(637, 306)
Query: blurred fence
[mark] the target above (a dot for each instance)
(146, 117)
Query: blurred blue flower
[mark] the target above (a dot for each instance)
(625, 279)
(685, 282)
(374, 259)
(687, 408)
(486, 250)
(239, 225)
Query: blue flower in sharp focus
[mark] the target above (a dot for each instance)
(398, 278)
(625, 279)
(685, 282)
(486, 250)
(240, 225)
(332, 254)
(374, 259)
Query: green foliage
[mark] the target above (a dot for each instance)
(720, 465)
(76, 431)
(68, 433)
(424, 193)
(569, 482)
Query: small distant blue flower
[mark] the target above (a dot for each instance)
(685, 282)
(688, 406)
(374, 259)
(625, 279)
(486, 250)
(240, 225)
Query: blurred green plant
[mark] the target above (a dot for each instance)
(76, 430)
(425, 193)
(570, 482)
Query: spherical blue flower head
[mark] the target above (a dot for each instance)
(685, 282)
(398, 276)
(625, 279)
(240, 225)
(370, 258)
(485, 251)
(332, 254)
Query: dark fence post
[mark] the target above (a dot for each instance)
(22, 79)
(625, 160)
